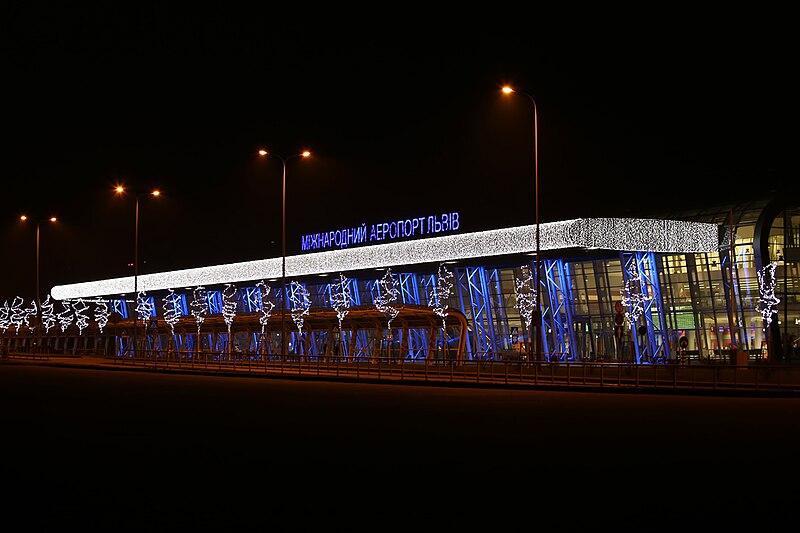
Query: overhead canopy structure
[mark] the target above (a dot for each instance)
(358, 318)
(623, 234)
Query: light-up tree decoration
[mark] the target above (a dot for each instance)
(229, 302)
(266, 305)
(5, 314)
(17, 314)
(767, 301)
(48, 314)
(341, 299)
(29, 312)
(387, 294)
(525, 294)
(144, 308)
(265, 308)
(101, 314)
(66, 315)
(632, 297)
(172, 309)
(440, 293)
(301, 303)
(199, 309)
(81, 316)
(31, 315)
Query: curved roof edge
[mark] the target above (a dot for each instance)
(623, 234)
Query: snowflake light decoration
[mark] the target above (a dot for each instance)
(81, 317)
(341, 298)
(266, 304)
(440, 294)
(525, 293)
(767, 301)
(632, 297)
(172, 309)
(301, 302)
(101, 314)
(387, 295)
(48, 314)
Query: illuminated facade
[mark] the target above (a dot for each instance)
(635, 289)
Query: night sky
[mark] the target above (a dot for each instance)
(664, 111)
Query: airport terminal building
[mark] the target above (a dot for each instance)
(644, 290)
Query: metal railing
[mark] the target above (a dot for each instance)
(715, 377)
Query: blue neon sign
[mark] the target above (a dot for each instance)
(383, 231)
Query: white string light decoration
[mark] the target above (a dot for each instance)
(81, 316)
(5, 313)
(341, 298)
(632, 297)
(301, 302)
(229, 302)
(66, 315)
(17, 314)
(101, 314)
(199, 307)
(388, 294)
(31, 311)
(172, 309)
(440, 293)
(646, 235)
(48, 314)
(525, 295)
(767, 302)
(266, 304)
(144, 308)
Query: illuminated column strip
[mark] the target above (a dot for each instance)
(621, 234)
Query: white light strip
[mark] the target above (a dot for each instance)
(624, 234)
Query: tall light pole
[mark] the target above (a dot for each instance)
(265, 153)
(537, 307)
(120, 190)
(38, 298)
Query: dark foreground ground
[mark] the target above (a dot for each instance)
(113, 449)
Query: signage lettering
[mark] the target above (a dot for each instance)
(384, 231)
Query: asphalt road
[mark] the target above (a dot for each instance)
(159, 444)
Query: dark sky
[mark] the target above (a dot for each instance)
(638, 113)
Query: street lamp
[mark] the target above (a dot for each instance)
(120, 190)
(265, 153)
(538, 312)
(38, 297)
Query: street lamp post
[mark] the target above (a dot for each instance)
(38, 298)
(537, 307)
(51, 219)
(120, 189)
(264, 153)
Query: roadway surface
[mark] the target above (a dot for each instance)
(159, 444)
